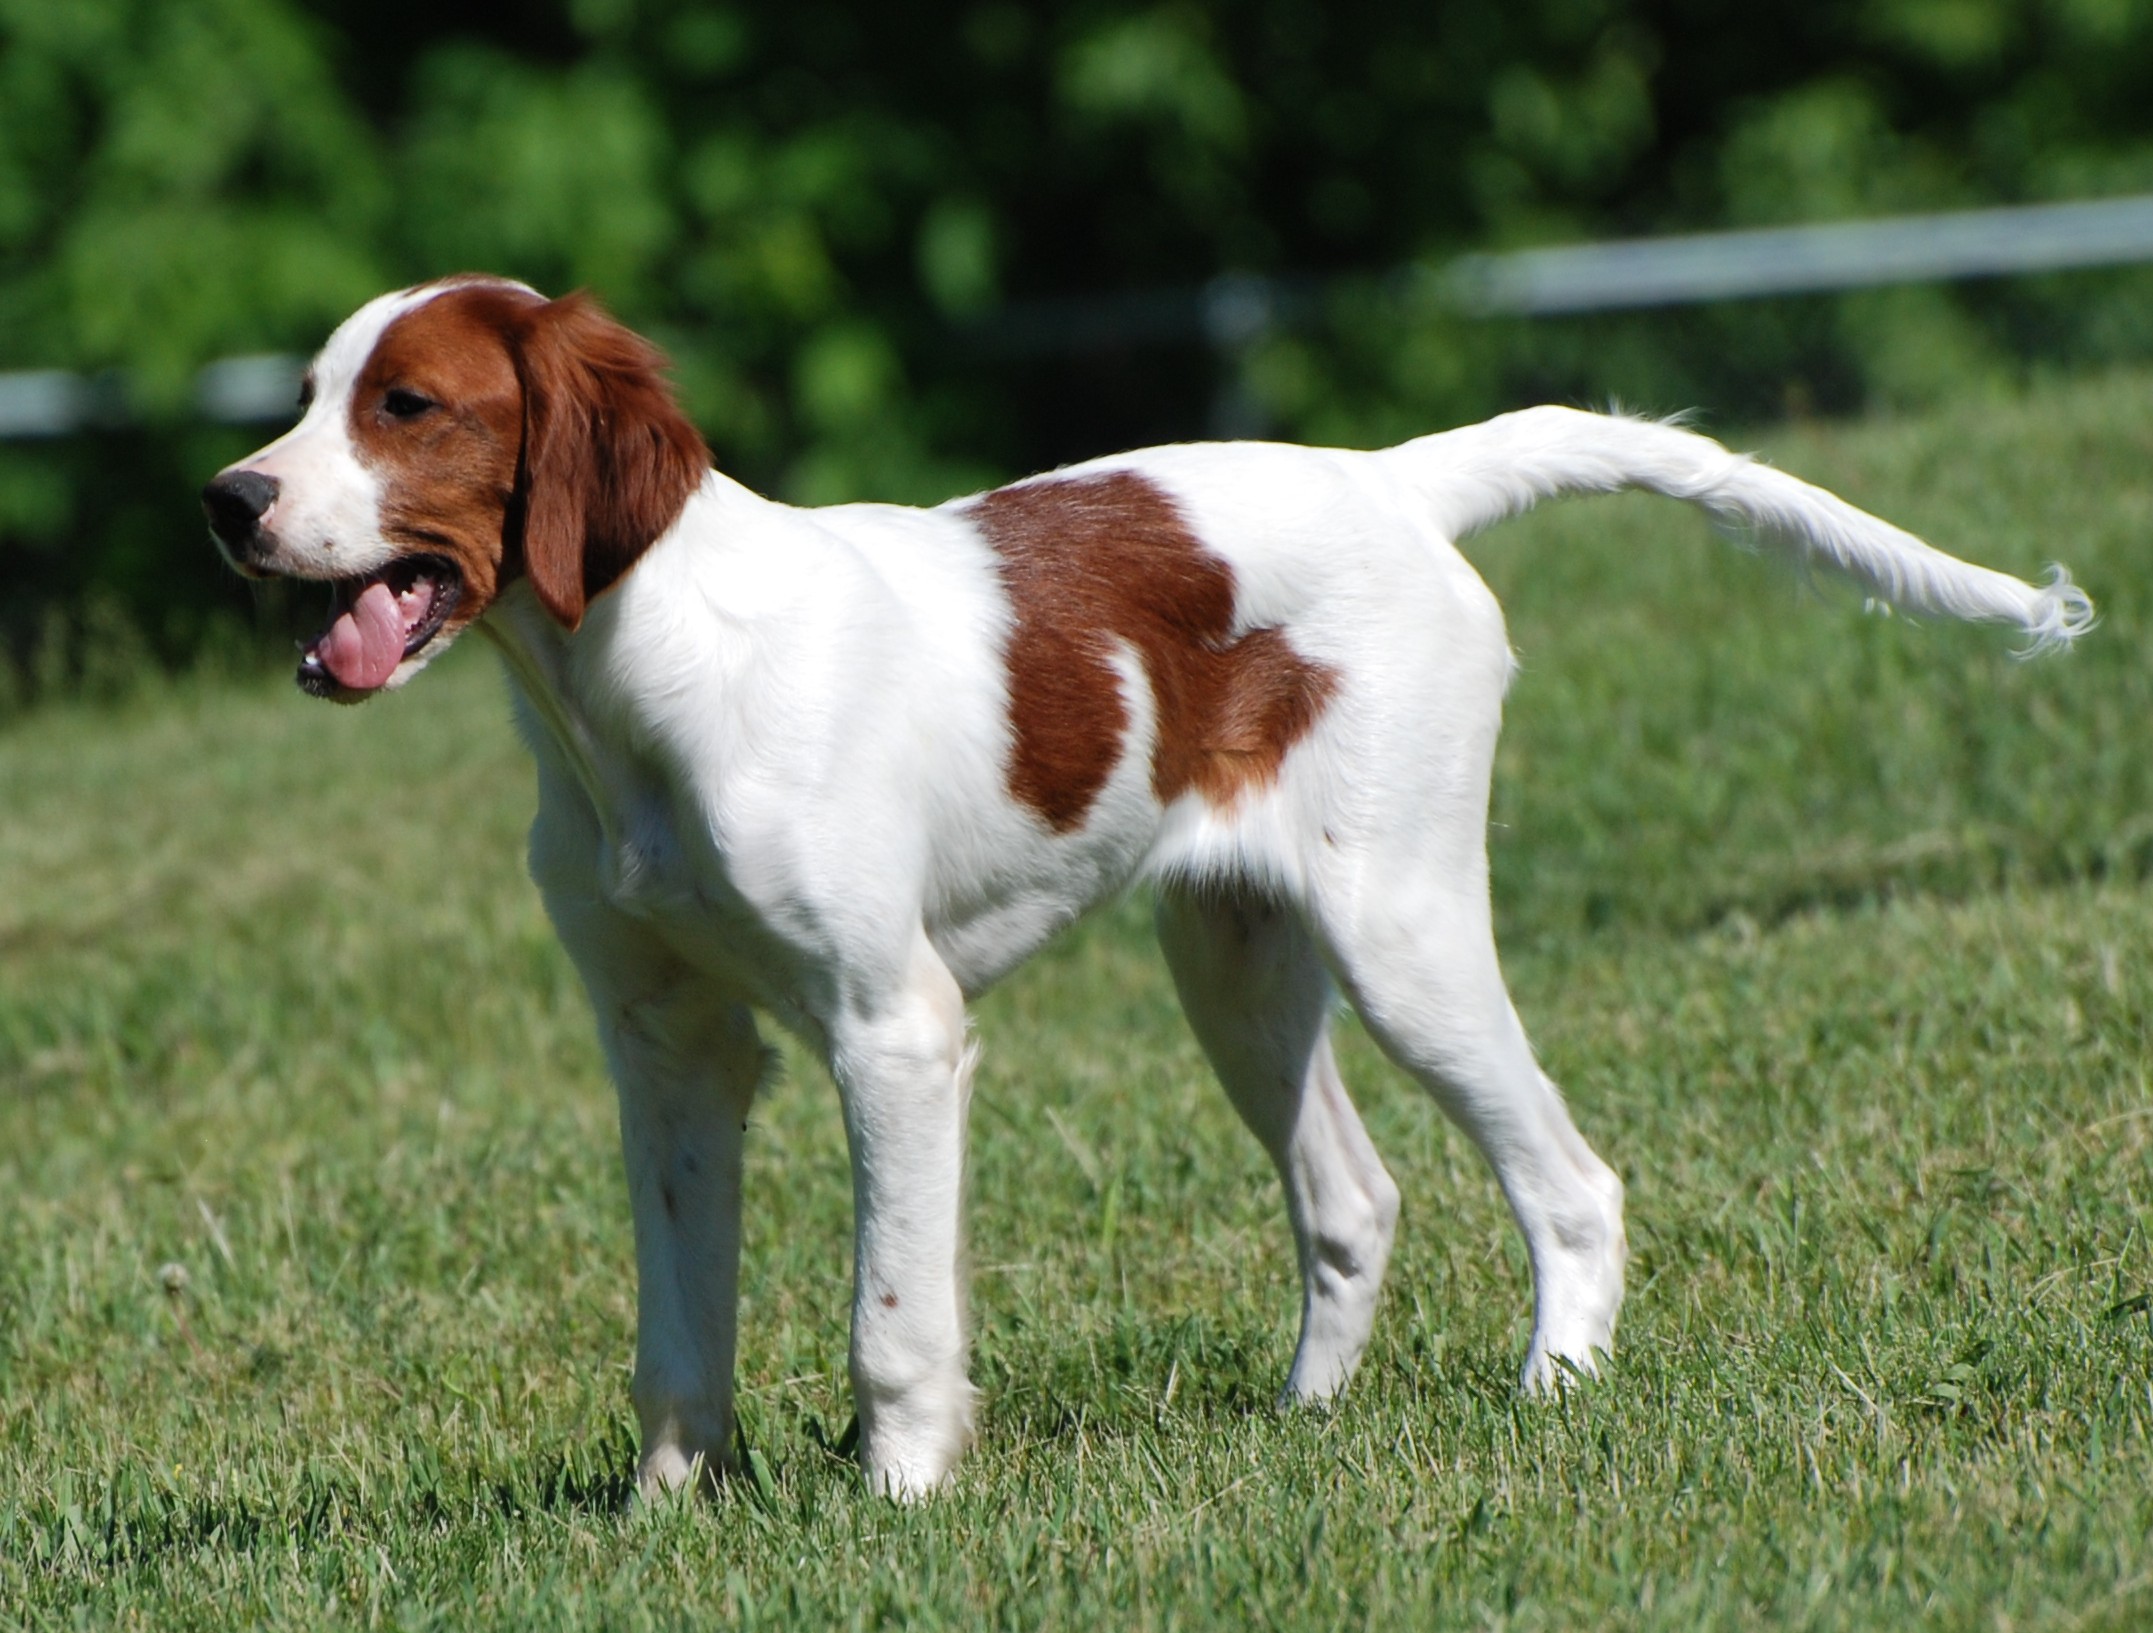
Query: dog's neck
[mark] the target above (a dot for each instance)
(538, 654)
(555, 673)
(580, 707)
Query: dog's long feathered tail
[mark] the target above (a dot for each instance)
(1480, 474)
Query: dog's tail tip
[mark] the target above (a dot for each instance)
(2059, 613)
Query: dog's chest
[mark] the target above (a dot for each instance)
(725, 911)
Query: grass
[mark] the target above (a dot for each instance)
(1839, 931)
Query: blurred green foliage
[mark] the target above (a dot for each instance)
(819, 208)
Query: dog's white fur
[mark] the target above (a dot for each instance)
(773, 774)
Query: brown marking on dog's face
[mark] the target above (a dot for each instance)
(515, 432)
(437, 413)
(1091, 561)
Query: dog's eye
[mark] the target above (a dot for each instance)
(306, 393)
(400, 404)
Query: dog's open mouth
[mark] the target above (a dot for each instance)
(376, 622)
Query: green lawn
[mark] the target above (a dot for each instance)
(1838, 929)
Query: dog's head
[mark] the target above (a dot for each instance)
(452, 437)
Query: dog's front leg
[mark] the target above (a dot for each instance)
(686, 1064)
(902, 1065)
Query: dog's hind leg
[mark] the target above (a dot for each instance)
(1258, 997)
(1414, 946)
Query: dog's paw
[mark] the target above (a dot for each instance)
(1550, 1372)
(669, 1473)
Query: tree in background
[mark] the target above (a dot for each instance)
(829, 214)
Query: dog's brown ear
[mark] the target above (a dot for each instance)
(608, 457)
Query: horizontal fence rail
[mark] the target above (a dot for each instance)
(1719, 266)
(255, 390)
(1233, 311)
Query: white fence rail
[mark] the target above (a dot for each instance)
(254, 390)
(1234, 310)
(1720, 266)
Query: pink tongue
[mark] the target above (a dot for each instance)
(364, 646)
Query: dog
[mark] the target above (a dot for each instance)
(848, 766)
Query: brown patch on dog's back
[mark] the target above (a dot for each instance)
(1093, 561)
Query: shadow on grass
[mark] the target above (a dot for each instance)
(135, 1517)
(1136, 1377)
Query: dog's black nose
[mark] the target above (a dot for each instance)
(235, 502)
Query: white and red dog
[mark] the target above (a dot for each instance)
(849, 766)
